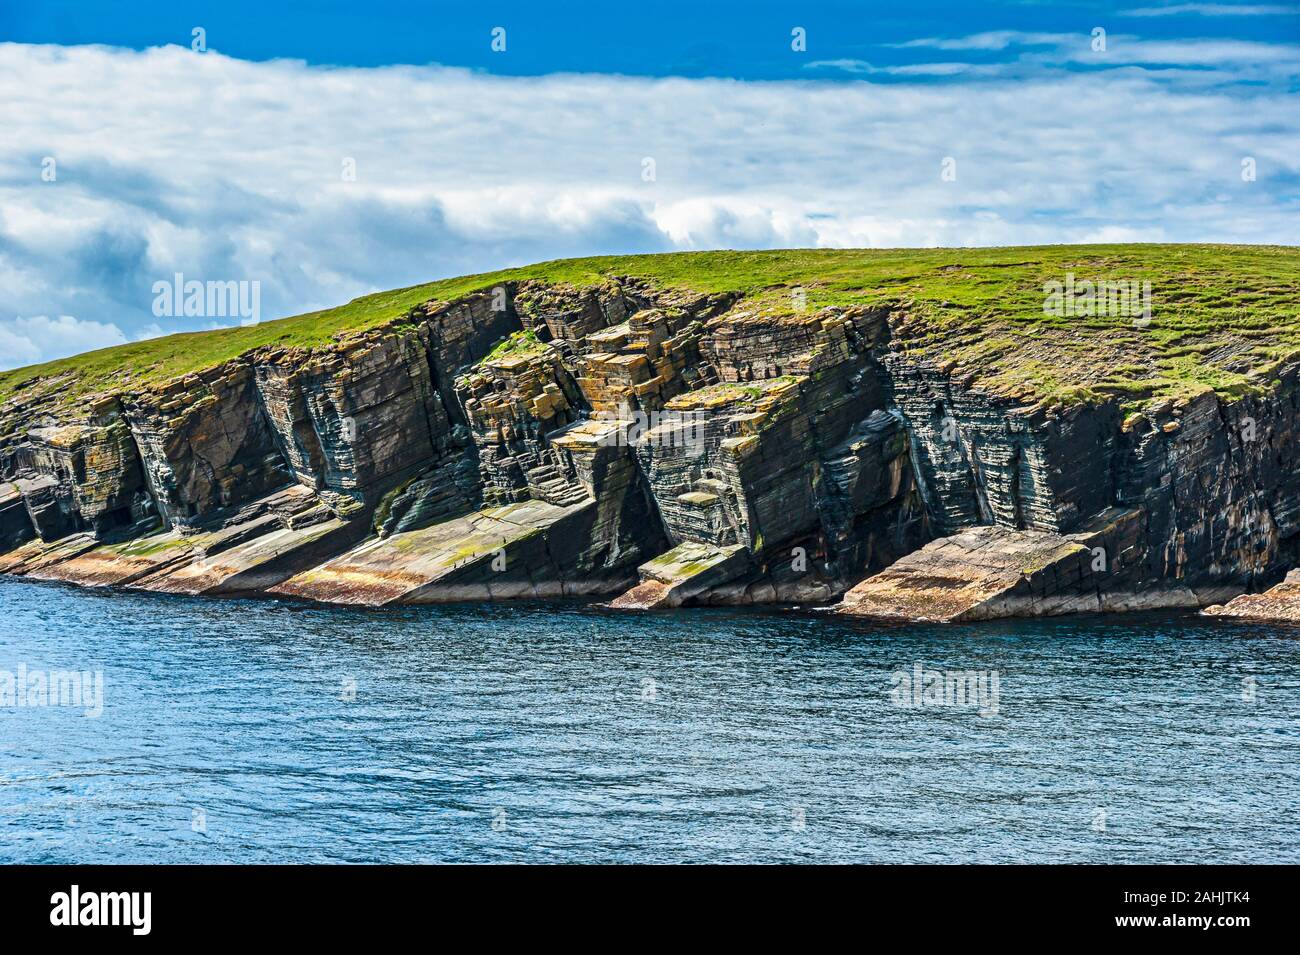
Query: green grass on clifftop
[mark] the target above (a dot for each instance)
(1223, 316)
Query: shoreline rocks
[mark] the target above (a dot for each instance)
(1278, 604)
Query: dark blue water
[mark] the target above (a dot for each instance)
(540, 733)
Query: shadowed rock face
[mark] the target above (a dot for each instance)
(663, 445)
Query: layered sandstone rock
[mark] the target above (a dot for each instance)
(262, 545)
(790, 455)
(660, 446)
(530, 549)
(989, 571)
(689, 570)
(206, 445)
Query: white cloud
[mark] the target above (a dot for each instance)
(848, 66)
(862, 67)
(1061, 49)
(990, 40)
(152, 330)
(170, 161)
(1196, 52)
(26, 341)
(1213, 10)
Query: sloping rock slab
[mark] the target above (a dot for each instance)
(35, 556)
(257, 564)
(109, 565)
(520, 550)
(689, 569)
(262, 545)
(980, 574)
(1281, 603)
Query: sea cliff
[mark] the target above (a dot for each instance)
(896, 434)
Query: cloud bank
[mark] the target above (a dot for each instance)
(120, 168)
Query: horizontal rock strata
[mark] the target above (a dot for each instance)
(659, 447)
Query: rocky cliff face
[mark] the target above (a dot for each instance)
(1187, 504)
(659, 447)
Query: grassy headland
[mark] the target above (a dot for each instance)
(1223, 316)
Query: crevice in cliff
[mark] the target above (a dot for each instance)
(978, 485)
(1017, 458)
(927, 494)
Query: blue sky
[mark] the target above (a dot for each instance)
(745, 40)
(228, 163)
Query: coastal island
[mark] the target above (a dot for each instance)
(939, 434)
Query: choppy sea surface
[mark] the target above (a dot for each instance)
(260, 731)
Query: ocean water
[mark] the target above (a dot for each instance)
(259, 731)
